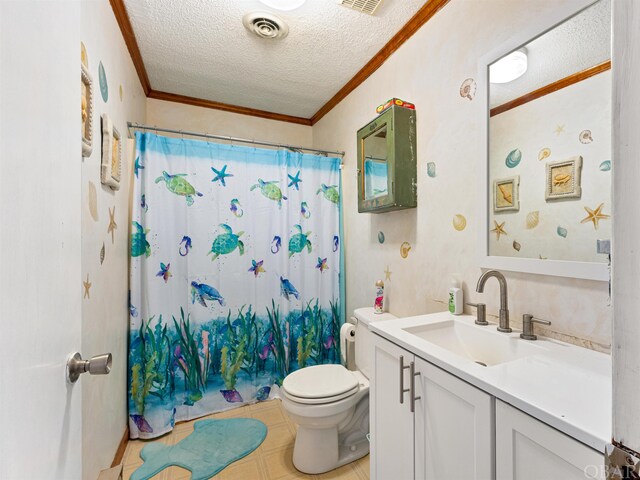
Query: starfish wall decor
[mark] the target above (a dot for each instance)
(594, 215)
(87, 287)
(499, 229)
(112, 224)
(387, 273)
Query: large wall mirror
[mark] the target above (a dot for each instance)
(547, 188)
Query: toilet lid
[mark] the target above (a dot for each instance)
(320, 381)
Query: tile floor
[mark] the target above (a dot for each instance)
(270, 461)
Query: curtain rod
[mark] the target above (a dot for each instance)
(138, 126)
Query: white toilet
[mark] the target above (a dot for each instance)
(330, 405)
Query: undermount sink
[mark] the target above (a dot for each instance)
(483, 345)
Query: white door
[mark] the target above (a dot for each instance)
(40, 269)
(527, 449)
(454, 427)
(391, 421)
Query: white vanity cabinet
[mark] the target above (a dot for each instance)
(449, 435)
(453, 427)
(391, 422)
(528, 449)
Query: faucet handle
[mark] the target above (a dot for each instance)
(481, 308)
(527, 326)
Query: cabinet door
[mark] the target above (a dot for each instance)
(391, 421)
(527, 449)
(453, 427)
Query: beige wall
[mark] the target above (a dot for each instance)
(206, 120)
(428, 71)
(105, 314)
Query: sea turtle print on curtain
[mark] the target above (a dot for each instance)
(233, 283)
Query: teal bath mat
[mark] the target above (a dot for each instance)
(213, 445)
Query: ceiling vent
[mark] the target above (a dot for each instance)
(265, 25)
(364, 6)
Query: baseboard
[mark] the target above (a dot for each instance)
(122, 447)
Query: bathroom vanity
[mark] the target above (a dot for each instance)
(453, 400)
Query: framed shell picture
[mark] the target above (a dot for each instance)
(86, 88)
(506, 194)
(111, 154)
(563, 179)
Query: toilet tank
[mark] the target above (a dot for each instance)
(363, 343)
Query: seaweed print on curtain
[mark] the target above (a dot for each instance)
(234, 276)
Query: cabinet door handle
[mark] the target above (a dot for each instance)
(413, 374)
(402, 369)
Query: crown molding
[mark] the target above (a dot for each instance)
(552, 87)
(201, 102)
(422, 16)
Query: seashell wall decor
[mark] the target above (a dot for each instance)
(84, 56)
(459, 222)
(562, 231)
(93, 201)
(533, 218)
(404, 249)
(380, 237)
(104, 87)
(513, 159)
(585, 136)
(516, 246)
(605, 166)
(468, 89)
(544, 153)
(431, 169)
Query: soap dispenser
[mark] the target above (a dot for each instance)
(455, 298)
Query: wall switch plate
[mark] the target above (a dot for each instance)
(604, 247)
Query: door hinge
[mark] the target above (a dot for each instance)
(620, 463)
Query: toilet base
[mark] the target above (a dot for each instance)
(319, 450)
(316, 450)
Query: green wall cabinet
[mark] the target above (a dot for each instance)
(387, 173)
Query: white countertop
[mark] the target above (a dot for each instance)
(565, 386)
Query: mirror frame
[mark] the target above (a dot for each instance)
(558, 268)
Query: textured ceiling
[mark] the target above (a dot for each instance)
(200, 48)
(577, 44)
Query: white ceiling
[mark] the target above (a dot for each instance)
(577, 44)
(200, 48)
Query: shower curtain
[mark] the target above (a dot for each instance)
(235, 275)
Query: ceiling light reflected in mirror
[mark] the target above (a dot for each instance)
(510, 67)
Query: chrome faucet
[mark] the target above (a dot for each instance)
(504, 308)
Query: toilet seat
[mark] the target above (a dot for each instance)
(320, 384)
